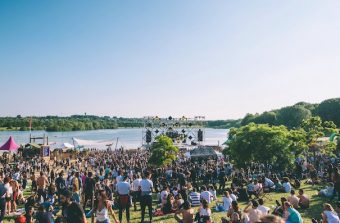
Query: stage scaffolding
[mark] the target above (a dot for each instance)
(185, 131)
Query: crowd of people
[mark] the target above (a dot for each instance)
(95, 185)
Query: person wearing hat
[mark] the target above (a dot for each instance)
(72, 211)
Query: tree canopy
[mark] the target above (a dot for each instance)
(292, 116)
(163, 151)
(264, 143)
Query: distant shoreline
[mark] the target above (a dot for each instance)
(18, 129)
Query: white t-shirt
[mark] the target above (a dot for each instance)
(331, 217)
(9, 190)
(227, 202)
(146, 185)
(164, 195)
(123, 188)
(205, 212)
(136, 184)
(264, 210)
(206, 195)
(233, 197)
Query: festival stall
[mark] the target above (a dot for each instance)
(10, 145)
(203, 153)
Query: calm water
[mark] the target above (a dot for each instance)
(128, 138)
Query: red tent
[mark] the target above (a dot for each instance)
(10, 145)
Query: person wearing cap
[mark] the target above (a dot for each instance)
(72, 212)
(123, 190)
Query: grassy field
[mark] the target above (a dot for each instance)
(313, 212)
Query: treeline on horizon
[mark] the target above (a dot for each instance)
(290, 116)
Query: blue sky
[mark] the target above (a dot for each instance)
(221, 59)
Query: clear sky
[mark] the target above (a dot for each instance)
(133, 58)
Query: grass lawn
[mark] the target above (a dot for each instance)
(313, 212)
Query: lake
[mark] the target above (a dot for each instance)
(128, 137)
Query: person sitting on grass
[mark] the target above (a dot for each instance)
(206, 195)
(44, 215)
(29, 214)
(278, 185)
(265, 210)
(178, 202)
(279, 210)
(250, 189)
(168, 207)
(242, 194)
(186, 212)
(291, 214)
(329, 215)
(204, 215)
(328, 191)
(293, 199)
(226, 203)
(271, 219)
(194, 198)
(268, 184)
(232, 194)
(303, 199)
(257, 188)
(286, 186)
(233, 213)
(253, 213)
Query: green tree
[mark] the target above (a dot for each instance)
(292, 116)
(163, 151)
(329, 110)
(264, 143)
(313, 127)
(248, 119)
(266, 118)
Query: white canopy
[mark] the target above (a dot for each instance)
(64, 145)
(99, 144)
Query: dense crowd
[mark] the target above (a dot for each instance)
(97, 184)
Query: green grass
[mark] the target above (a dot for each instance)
(313, 212)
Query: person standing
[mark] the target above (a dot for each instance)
(146, 186)
(60, 184)
(42, 182)
(90, 184)
(123, 190)
(136, 190)
(3, 192)
(76, 187)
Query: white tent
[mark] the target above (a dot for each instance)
(64, 145)
(99, 144)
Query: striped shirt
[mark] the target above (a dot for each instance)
(194, 199)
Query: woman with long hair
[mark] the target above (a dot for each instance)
(205, 212)
(102, 209)
(233, 213)
(329, 215)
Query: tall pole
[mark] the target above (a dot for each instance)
(116, 144)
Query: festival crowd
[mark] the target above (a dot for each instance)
(97, 185)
